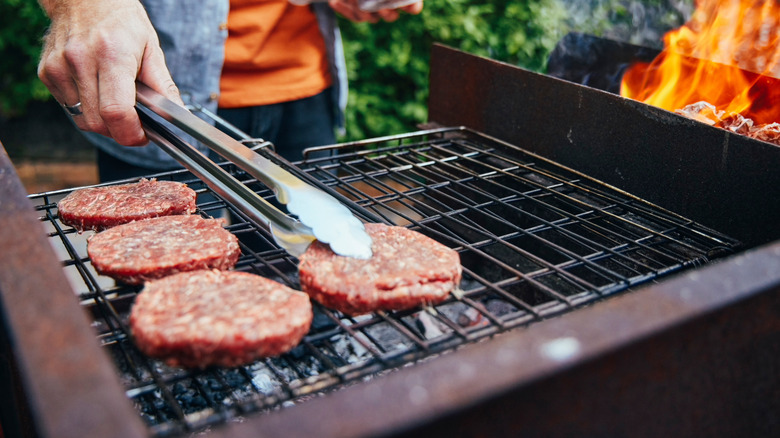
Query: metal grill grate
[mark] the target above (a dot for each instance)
(535, 239)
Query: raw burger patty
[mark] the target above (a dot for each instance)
(156, 247)
(223, 318)
(407, 269)
(99, 208)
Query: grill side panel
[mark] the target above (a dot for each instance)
(693, 356)
(69, 387)
(713, 375)
(468, 375)
(725, 181)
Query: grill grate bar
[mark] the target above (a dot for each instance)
(638, 241)
(558, 210)
(438, 214)
(536, 240)
(394, 195)
(553, 187)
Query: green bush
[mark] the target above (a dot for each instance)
(388, 62)
(22, 25)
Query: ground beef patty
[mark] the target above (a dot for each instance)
(156, 247)
(99, 208)
(407, 269)
(224, 318)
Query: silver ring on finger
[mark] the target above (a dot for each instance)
(73, 110)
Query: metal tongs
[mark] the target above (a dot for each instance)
(319, 215)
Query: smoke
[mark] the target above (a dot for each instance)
(637, 22)
(602, 38)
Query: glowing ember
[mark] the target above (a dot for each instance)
(719, 68)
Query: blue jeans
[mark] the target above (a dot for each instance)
(291, 126)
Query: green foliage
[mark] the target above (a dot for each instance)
(22, 25)
(388, 62)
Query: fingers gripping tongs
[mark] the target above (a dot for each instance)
(319, 215)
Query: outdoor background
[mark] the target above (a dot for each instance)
(387, 62)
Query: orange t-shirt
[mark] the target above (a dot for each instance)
(274, 53)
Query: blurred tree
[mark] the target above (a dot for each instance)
(388, 62)
(22, 25)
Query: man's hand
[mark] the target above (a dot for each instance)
(93, 54)
(350, 9)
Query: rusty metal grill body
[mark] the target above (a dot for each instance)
(535, 239)
(584, 311)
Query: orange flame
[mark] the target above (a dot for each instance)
(727, 55)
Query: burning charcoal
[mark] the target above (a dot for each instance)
(188, 398)
(469, 317)
(387, 337)
(321, 322)
(463, 314)
(264, 383)
(297, 353)
(500, 307)
(233, 378)
(350, 349)
(160, 405)
(769, 132)
(736, 123)
(702, 111)
(428, 326)
(148, 418)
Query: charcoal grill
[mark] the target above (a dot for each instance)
(621, 276)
